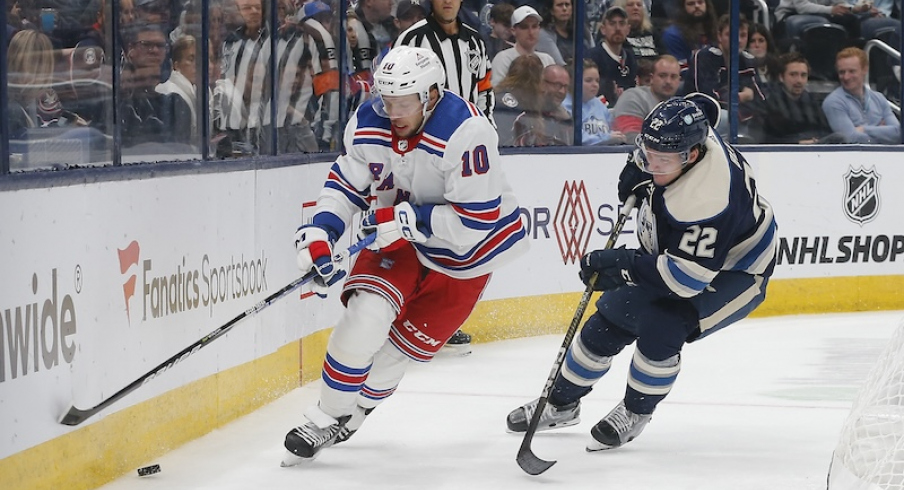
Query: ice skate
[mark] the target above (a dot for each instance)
(305, 442)
(620, 427)
(459, 344)
(553, 417)
(353, 424)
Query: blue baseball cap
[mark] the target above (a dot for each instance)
(313, 8)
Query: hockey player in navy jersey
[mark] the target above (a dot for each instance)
(707, 250)
(423, 166)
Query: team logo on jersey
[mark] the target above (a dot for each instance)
(861, 198)
(646, 228)
(573, 222)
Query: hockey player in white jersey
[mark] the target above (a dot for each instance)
(423, 165)
(708, 244)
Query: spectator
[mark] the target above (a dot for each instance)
(617, 67)
(635, 103)
(146, 115)
(860, 20)
(126, 13)
(183, 82)
(360, 61)
(376, 28)
(500, 36)
(189, 22)
(596, 121)
(693, 28)
(888, 7)
(791, 114)
(552, 125)
(296, 61)
(708, 73)
(321, 109)
(218, 31)
(858, 113)
(644, 71)
(17, 18)
(35, 112)
(517, 93)
(246, 54)
(30, 64)
(557, 35)
(408, 13)
(761, 45)
(52, 114)
(462, 52)
(526, 29)
(153, 12)
(643, 40)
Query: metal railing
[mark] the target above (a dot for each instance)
(762, 11)
(883, 46)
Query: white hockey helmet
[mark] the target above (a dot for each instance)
(409, 70)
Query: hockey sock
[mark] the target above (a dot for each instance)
(649, 382)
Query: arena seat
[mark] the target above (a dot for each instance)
(819, 44)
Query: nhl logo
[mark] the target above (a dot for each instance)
(473, 61)
(402, 145)
(861, 199)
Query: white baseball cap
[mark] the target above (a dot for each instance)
(524, 12)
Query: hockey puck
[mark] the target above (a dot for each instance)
(149, 470)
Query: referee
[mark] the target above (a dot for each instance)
(461, 50)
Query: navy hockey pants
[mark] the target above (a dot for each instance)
(661, 327)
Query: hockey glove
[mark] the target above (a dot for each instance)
(633, 180)
(315, 252)
(397, 225)
(613, 268)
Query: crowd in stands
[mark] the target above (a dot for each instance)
(804, 76)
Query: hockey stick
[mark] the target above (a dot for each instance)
(75, 416)
(527, 460)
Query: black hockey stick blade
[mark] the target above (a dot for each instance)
(531, 464)
(526, 459)
(75, 415)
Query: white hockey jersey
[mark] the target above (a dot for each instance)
(453, 163)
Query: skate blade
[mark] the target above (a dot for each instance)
(456, 349)
(595, 446)
(289, 460)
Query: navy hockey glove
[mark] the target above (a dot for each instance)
(612, 266)
(397, 225)
(633, 180)
(314, 251)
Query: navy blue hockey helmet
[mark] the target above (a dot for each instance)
(675, 126)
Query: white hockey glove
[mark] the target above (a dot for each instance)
(315, 252)
(396, 225)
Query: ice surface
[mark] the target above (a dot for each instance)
(757, 406)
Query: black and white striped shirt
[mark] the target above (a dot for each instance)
(245, 61)
(468, 69)
(324, 111)
(295, 86)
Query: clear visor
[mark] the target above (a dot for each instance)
(398, 106)
(658, 162)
